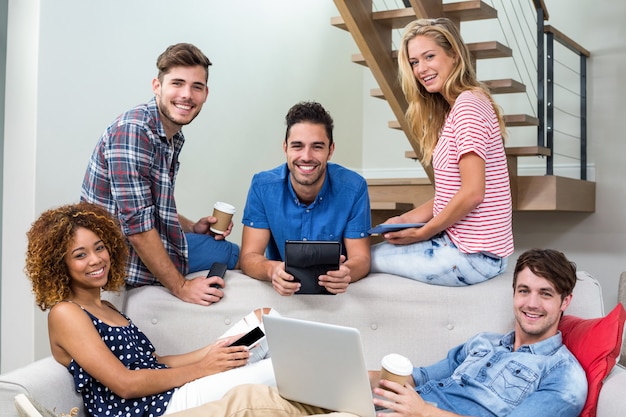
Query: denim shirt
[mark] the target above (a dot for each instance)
(486, 377)
(340, 211)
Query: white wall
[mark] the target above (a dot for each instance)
(17, 304)
(76, 66)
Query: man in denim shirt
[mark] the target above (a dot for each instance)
(527, 372)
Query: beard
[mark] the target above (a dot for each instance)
(537, 330)
(307, 181)
(171, 119)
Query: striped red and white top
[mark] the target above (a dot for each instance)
(472, 126)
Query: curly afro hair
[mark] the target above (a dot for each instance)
(49, 239)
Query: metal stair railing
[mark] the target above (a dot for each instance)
(546, 97)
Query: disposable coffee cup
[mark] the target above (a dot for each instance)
(224, 214)
(396, 368)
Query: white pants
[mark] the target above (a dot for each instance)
(213, 387)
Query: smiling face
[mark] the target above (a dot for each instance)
(537, 306)
(308, 151)
(180, 96)
(87, 261)
(430, 63)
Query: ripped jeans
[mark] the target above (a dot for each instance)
(436, 261)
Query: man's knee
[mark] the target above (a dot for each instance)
(251, 391)
(204, 250)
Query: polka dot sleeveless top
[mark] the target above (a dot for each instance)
(134, 350)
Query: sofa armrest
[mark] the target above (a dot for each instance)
(621, 298)
(612, 401)
(44, 380)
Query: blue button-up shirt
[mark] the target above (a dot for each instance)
(340, 210)
(486, 377)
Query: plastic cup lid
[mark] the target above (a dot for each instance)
(225, 207)
(397, 364)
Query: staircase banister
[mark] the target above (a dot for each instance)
(566, 41)
(540, 4)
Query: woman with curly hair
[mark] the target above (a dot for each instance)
(49, 239)
(466, 235)
(74, 252)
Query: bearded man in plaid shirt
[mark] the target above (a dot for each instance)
(132, 173)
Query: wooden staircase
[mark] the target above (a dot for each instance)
(372, 33)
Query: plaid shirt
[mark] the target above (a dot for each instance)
(131, 173)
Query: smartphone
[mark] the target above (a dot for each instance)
(249, 339)
(217, 269)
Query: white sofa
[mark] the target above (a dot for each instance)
(393, 314)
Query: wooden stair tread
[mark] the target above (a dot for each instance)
(479, 50)
(391, 205)
(489, 49)
(510, 120)
(391, 196)
(533, 193)
(377, 93)
(463, 11)
(358, 58)
(397, 181)
(503, 86)
(466, 11)
(527, 151)
(510, 151)
(555, 193)
(394, 19)
(410, 155)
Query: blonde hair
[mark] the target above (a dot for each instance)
(426, 112)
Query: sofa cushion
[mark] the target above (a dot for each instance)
(596, 343)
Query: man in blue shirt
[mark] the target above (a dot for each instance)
(307, 198)
(527, 372)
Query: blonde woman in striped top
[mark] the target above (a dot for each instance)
(467, 235)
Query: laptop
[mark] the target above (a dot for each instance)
(319, 364)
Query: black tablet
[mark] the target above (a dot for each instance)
(306, 260)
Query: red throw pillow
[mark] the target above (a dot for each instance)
(596, 343)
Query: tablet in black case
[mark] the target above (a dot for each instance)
(306, 260)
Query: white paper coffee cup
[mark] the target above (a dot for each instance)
(224, 214)
(395, 367)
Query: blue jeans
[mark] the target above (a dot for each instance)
(204, 250)
(436, 261)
